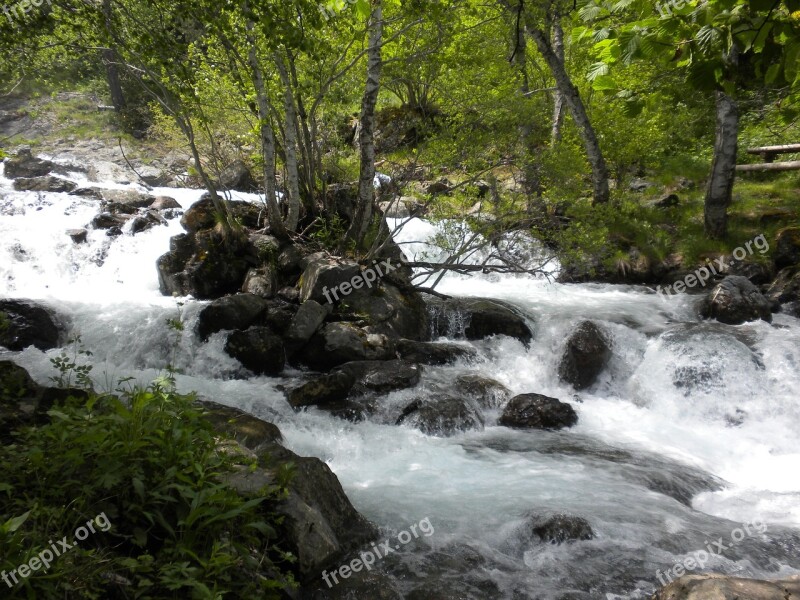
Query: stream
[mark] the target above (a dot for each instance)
(689, 436)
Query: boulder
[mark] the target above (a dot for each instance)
(306, 321)
(487, 393)
(290, 259)
(337, 343)
(534, 411)
(434, 353)
(24, 164)
(714, 586)
(322, 274)
(24, 323)
(78, 236)
(47, 183)
(236, 176)
(205, 265)
(381, 377)
(258, 349)
(585, 356)
(251, 432)
(560, 528)
(125, 201)
(164, 203)
(106, 220)
(202, 214)
(322, 390)
(231, 312)
(390, 311)
(261, 281)
(735, 300)
(279, 316)
(146, 221)
(477, 318)
(442, 415)
(787, 247)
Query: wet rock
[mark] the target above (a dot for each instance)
(487, 393)
(146, 221)
(106, 220)
(477, 318)
(306, 322)
(323, 274)
(290, 259)
(93, 193)
(24, 164)
(251, 432)
(236, 176)
(262, 281)
(24, 323)
(382, 377)
(279, 316)
(78, 236)
(47, 183)
(734, 301)
(202, 214)
(784, 292)
(205, 265)
(586, 355)
(713, 586)
(337, 343)
(258, 349)
(322, 390)
(390, 311)
(560, 528)
(758, 273)
(535, 411)
(787, 247)
(398, 208)
(363, 584)
(442, 415)
(434, 353)
(125, 201)
(231, 312)
(165, 203)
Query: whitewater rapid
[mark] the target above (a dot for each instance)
(685, 408)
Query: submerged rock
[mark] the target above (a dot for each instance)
(382, 377)
(322, 390)
(586, 355)
(560, 528)
(24, 323)
(736, 300)
(713, 586)
(488, 393)
(534, 411)
(442, 415)
(477, 318)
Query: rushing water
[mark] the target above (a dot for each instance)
(690, 433)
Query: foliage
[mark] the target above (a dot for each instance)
(150, 461)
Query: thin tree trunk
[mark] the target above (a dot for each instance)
(362, 216)
(719, 192)
(109, 58)
(267, 137)
(290, 137)
(309, 170)
(577, 109)
(558, 98)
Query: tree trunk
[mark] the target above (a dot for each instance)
(109, 58)
(267, 138)
(719, 192)
(558, 98)
(577, 109)
(290, 139)
(366, 189)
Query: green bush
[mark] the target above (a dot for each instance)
(150, 462)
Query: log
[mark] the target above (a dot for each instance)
(784, 149)
(791, 165)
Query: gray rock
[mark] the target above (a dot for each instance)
(231, 312)
(714, 586)
(261, 281)
(236, 176)
(47, 183)
(251, 432)
(24, 164)
(323, 390)
(337, 343)
(306, 321)
(164, 203)
(487, 393)
(382, 377)
(734, 301)
(535, 411)
(442, 415)
(325, 273)
(560, 528)
(434, 353)
(79, 236)
(586, 354)
(787, 247)
(477, 318)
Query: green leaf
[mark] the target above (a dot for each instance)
(15, 523)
